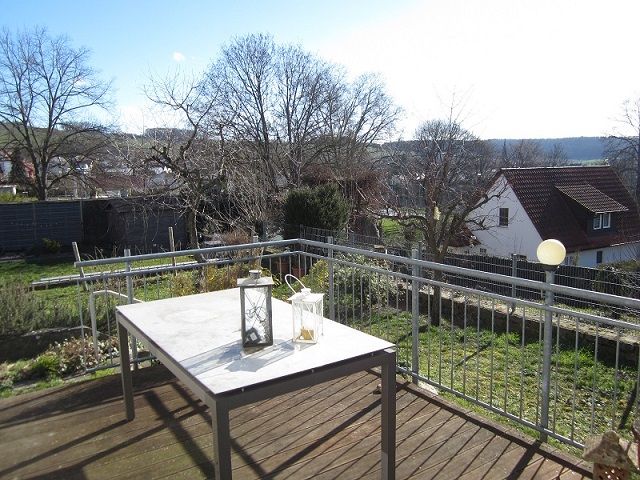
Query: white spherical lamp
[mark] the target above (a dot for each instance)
(551, 252)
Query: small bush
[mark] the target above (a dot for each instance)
(75, 355)
(63, 359)
(51, 246)
(18, 312)
(47, 365)
(23, 310)
(6, 197)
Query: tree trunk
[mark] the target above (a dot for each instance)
(192, 234)
(638, 170)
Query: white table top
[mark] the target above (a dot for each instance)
(202, 334)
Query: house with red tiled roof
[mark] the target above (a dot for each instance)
(587, 208)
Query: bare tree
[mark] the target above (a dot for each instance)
(443, 185)
(196, 161)
(529, 153)
(48, 92)
(623, 146)
(356, 115)
(245, 73)
(448, 178)
(301, 86)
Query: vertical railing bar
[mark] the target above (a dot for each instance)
(353, 294)
(522, 360)
(337, 307)
(129, 278)
(144, 286)
(370, 295)
(616, 381)
(385, 302)
(440, 337)
(556, 379)
(595, 380)
(82, 336)
(362, 304)
(464, 347)
(547, 353)
(172, 247)
(415, 317)
(493, 334)
(452, 337)
(540, 357)
(478, 349)
(637, 402)
(506, 362)
(330, 268)
(575, 378)
(429, 329)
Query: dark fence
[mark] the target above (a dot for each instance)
(24, 225)
(111, 224)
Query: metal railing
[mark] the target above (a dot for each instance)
(606, 279)
(563, 371)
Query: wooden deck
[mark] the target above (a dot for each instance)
(329, 431)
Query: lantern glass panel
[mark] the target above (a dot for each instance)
(307, 310)
(256, 314)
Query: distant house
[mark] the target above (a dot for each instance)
(587, 208)
(6, 165)
(117, 185)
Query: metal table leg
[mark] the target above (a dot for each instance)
(389, 415)
(125, 372)
(221, 439)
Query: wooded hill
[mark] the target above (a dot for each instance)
(577, 148)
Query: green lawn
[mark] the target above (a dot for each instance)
(499, 369)
(28, 270)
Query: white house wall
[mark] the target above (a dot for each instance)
(519, 237)
(617, 253)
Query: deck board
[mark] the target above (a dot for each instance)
(327, 431)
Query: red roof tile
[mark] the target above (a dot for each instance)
(539, 191)
(591, 198)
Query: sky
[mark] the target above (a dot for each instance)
(509, 68)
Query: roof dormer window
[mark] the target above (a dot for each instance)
(602, 221)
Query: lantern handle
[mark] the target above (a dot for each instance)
(286, 280)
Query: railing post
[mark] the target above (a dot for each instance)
(547, 351)
(332, 304)
(172, 247)
(514, 274)
(256, 239)
(134, 343)
(415, 316)
(76, 254)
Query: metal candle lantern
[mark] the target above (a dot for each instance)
(255, 310)
(307, 316)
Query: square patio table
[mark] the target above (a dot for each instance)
(197, 337)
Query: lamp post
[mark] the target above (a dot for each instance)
(550, 253)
